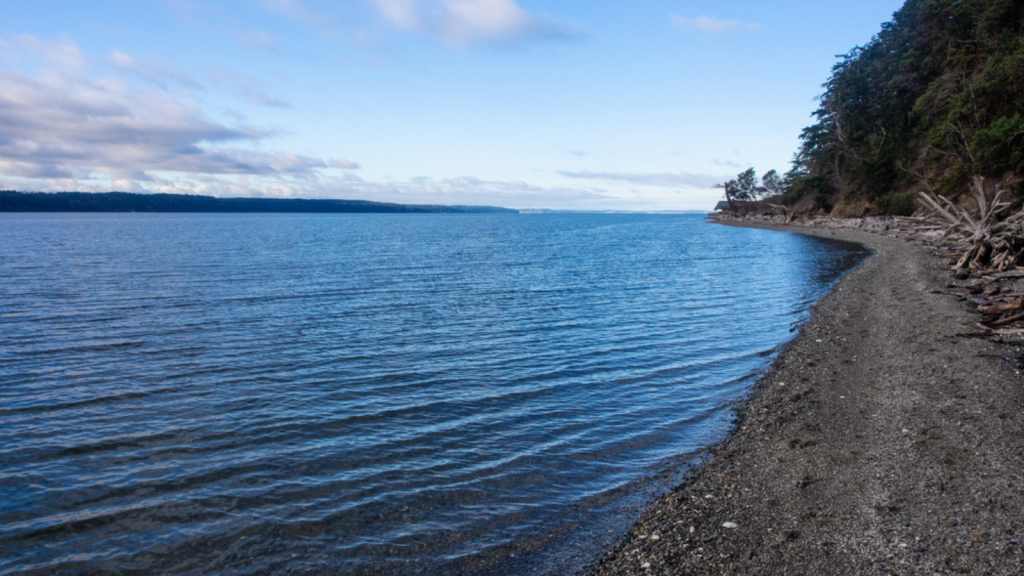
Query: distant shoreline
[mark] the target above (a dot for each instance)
(12, 201)
(880, 441)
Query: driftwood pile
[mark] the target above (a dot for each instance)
(1002, 311)
(991, 236)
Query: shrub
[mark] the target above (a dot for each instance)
(897, 204)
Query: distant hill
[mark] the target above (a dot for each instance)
(11, 201)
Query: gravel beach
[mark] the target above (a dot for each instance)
(881, 441)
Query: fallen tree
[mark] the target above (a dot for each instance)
(992, 238)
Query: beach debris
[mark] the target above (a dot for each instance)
(1000, 312)
(1000, 307)
(645, 566)
(730, 525)
(991, 237)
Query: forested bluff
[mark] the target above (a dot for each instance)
(11, 201)
(933, 101)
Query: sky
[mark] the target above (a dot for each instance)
(578, 104)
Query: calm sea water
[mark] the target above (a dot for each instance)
(473, 394)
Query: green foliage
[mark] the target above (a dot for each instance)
(821, 202)
(747, 183)
(1000, 147)
(744, 188)
(772, 184)
(897, 204)
(817, 186)
(939, 91)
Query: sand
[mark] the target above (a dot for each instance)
(880, 442)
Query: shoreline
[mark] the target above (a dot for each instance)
(878, 442)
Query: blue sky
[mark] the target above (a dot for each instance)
(640, 105)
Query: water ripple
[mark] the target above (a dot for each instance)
(485, 394)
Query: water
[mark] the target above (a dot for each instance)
(473, 394)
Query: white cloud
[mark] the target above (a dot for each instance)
(344, 164)
(61, 130)
(467, 190)
(665, 179)
(713, 25)
(64, 125)
(469, 22)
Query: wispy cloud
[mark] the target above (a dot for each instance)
(324, 23)
(712, 25)
(245, 87)
(463, 190)
(288, 8)
(344, 164)
(258, 40)
(32, 47)
(665, 179)
(726, 162)
(470, 22)
(159, 74)
(460, 23)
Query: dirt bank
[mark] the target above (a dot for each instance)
(879, 443)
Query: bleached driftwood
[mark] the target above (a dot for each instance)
(991, 237)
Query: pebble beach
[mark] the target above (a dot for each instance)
(886, 439)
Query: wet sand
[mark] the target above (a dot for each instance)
(880, 442)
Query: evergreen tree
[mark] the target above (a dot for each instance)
(936, 97)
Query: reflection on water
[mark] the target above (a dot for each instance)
(369, 393)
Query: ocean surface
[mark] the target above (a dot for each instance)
(379, 394)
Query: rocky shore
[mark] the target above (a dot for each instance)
(886, 439)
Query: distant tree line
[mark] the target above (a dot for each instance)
(11, 201)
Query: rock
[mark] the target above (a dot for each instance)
(730, 525)
(963, 274)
